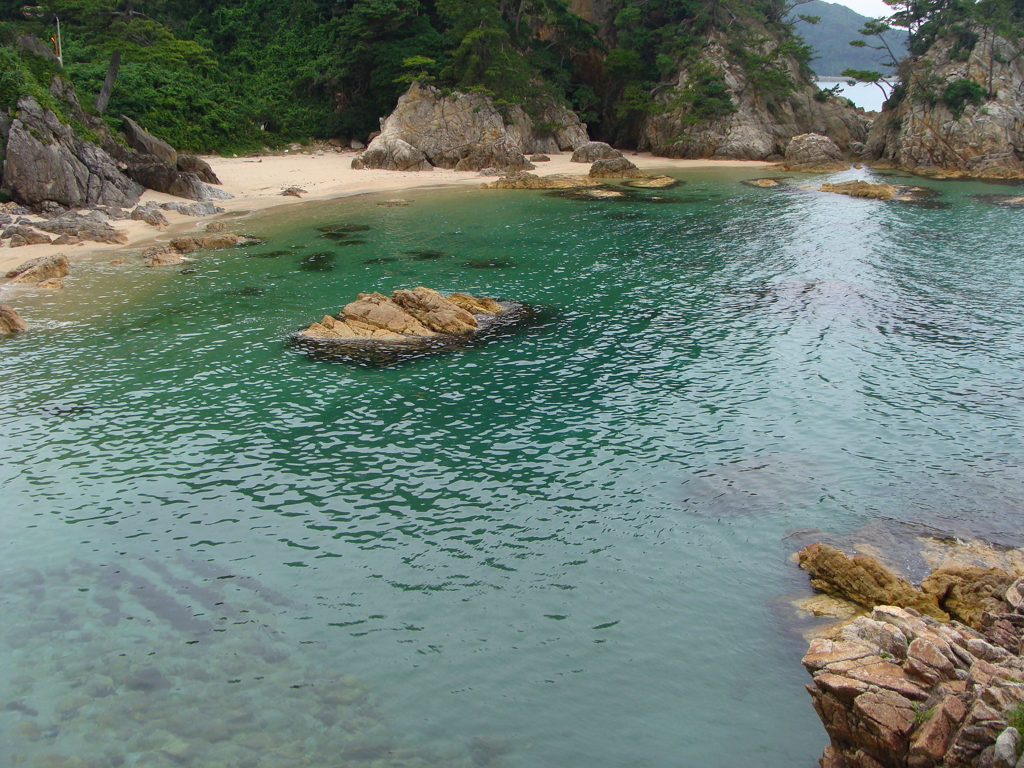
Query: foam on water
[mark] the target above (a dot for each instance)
(564, 546)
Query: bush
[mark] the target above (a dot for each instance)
(959, 93)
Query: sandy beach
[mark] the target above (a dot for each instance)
(257, 183)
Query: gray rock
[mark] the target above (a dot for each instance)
(1006, 748)
(50, 209)
(21, 235)
(92, 226)
(812, 152)
(142, 141)
(198, 166)
(392, 154)
(5, 219)
(205, 208)
(45, 160)
(151, 215)
(594, 150)
(32, 44)
(356, 144)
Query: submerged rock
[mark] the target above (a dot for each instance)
(814, 153)
(191, 243)
(653, 182)
(762, 183)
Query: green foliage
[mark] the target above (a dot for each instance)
(705, 97)
(959, 93)
(1015, 719)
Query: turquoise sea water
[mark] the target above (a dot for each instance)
(566, 547)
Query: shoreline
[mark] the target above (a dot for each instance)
(257, 183)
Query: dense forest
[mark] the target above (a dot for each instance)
(231, 75)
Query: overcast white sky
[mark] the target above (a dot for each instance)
(872, 8)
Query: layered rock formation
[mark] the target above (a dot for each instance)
(11, 321)
(406, 316)
(932, 677)
(937, 128)
(759, 128)
(464, 131)
(40, 269)
(814, 153)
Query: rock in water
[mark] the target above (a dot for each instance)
(418, 319)
(863, 580)
(814, 153)
(615, 168)
(861, 189)
(191, 243)
(142, 141)
(525, 180)
(594, 150)
(42, 268)
(11, 321)
(161, 256)
(45, 160)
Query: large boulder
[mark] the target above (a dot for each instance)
(146, 143)
(162, 177)
(45, 160)
(392, 154)
(21, 235)
(465, 131)
(960, 133)
(814, 153)
(749, 123)
(190, 243)
(594, 150)
(615, 168)
(198, 166)
(526, 180)
(42, 268)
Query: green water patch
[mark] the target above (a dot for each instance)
(1001, 200)
(382, 260)
(427, 255)
(344, 228)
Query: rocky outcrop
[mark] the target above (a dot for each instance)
(814, 153)
(162, 256)
(21, 235)
(91, 226)
(860, 188)
(45, 160)
(11, 321)
(937, 128)
(390, 153)
(382, 329)
(159, 176)
(925, 687)
(43, 268)
(594, 150)
(465, 132)
(615, 168)
(526, 180)
(760, 126)
(198, 166)
(146, 143)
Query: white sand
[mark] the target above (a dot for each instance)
(258, 182)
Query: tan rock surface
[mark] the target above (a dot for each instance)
(191, 243)
(525, 180)
(42, 268)
(860, 188)
(814, 153)
(11, 321)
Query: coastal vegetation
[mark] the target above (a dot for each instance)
(233, 76)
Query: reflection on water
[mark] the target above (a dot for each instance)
(560, 546)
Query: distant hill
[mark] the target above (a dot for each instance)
(830, 38)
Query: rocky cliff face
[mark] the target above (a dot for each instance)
(45, 160)
(466, 132)
(935, 130)
(761, 126)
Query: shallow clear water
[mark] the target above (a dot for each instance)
(567, 546)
